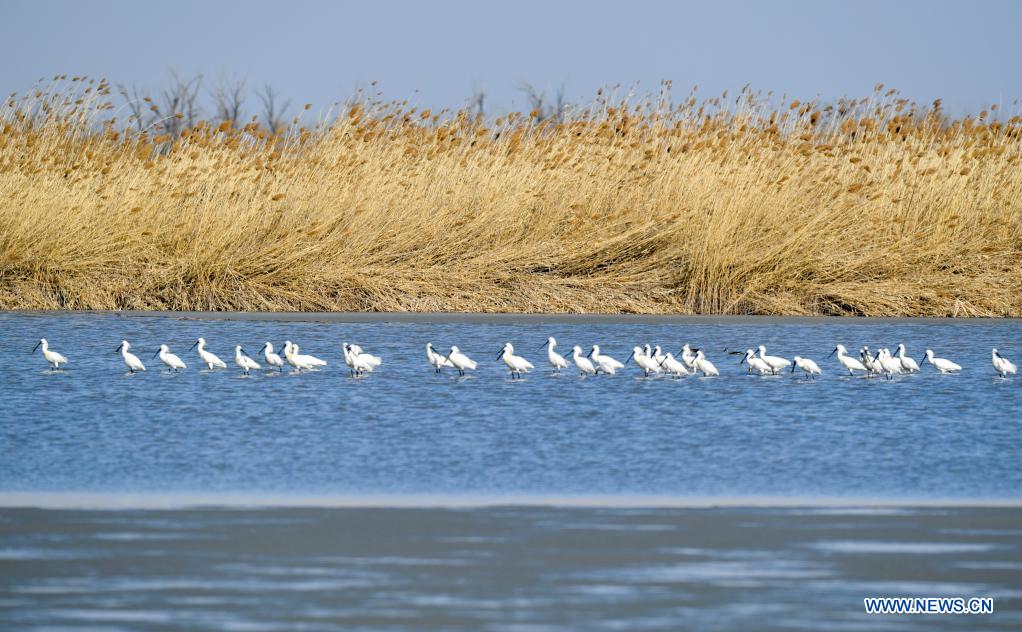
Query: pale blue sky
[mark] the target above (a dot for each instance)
(968, 53)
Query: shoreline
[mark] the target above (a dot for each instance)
(225, 500)
(483, 318)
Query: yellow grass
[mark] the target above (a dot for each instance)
(873, 206)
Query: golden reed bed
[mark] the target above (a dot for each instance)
(875, 206)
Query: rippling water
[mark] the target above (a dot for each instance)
(404, 430)
(303, 446)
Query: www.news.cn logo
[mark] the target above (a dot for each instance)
(929, 605)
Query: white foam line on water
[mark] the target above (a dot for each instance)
(178, 500)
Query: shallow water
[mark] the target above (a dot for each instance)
(644, 555)
(404, 430)
(503, 568)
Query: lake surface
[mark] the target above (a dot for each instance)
(404, 430)
(407, 500)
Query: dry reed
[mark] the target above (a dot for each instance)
(873, 206)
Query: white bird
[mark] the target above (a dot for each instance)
(130, 359)
(299, 363)
(246, 363)
(584, 364)
(603, 362)
(516, 364)
(675, 368)
(776, 363)
(889, 365)
(907, 364)
(810, 368)
(555, 359)
(368, 358)
(755, 364)
(436, 360)
(306, 359)
(658, 354)
(942, 365)
(1002, 365)
(704, 366)
(358, 363)
(847, 361)
(172, 361)
(460, 361)
(645, 362)
(872, 366)
(272, 358)
(688, 356)
(52, 357)
(209, 359)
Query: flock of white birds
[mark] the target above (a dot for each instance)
(652, 361)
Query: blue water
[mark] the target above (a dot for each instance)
(405, 430)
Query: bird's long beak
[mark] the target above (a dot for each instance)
(742, 361)
(877, 357)
(118, 348)
(544, 345)
(500, 353)
(449, 355)
(661, 363)
(832, 352)
(590, 354)
(35, 347)
(194, 345)
(793, 368)
(630, 357)
(157, 353)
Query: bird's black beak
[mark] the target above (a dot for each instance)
(742, 361)
(793, 368)
(877, 357)
(157, 353)
(118, 348)
(194, 345)
(590, 354)
(500, 353)
(544, 345)
(36, 346)
(832, 352)
(630, 357)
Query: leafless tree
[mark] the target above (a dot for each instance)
(477, 103)
(177, 108)
(545, 110)
(229, 100)
(273, 111)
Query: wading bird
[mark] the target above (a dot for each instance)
(130, 359)
(555, 359)
(1002, 365)
(847, 361)
(888, 364)
(358, 363)
(516, 364)
(242, 360)
(645, 362)
(942, 365)
(310, 360)
(584, 364)
(907, 364)
(461, 361)
(52, 357)
(208, 358)
(172, 361)
(704, 366)
(688, 356)
(673, 367)
(776, 363)
(370, 359)
(604, 363)
(755, 364)
(272, 359)
(810, 368)
(436, 360)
